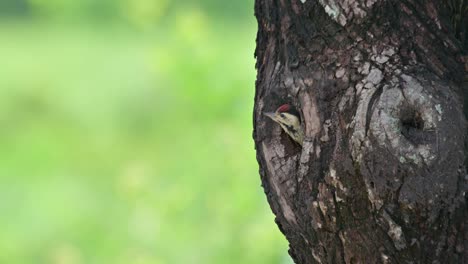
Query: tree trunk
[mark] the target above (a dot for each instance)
(381, 176)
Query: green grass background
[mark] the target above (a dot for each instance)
(125, 134)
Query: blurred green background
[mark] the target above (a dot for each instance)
(125, 134)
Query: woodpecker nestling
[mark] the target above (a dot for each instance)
(289, 119)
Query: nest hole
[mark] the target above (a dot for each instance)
(412, 127)
(411, 120)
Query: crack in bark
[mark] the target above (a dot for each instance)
(370, 107)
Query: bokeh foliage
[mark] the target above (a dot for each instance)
(126, 134)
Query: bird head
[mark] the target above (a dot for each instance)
(289, 119)
(285, 114)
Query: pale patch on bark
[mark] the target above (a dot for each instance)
(327, 205)
(305, 157)
(333, 10)
(364, 69)
(311, 115)
(359, 139)
(375, 76)
(312, 128)
(318, 150)
(340, 73)
(395, 232)
(279, 166)
(316, 218)
(347, 99)
(316, 257)
(385, 258)
(373, 197)
(326, 127)
(332, 179)
(386, 121)
(345, 10)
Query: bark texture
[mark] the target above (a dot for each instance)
(381, 177)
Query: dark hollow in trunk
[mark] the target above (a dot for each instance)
(381, 88)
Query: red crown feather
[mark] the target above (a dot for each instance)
(284, 108)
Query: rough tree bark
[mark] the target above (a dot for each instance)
(381, 177)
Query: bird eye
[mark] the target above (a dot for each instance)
(282, 115)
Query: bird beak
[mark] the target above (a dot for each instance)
(270, 115)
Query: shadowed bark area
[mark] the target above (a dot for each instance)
(380, 85)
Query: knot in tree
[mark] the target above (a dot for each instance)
(381, 89)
